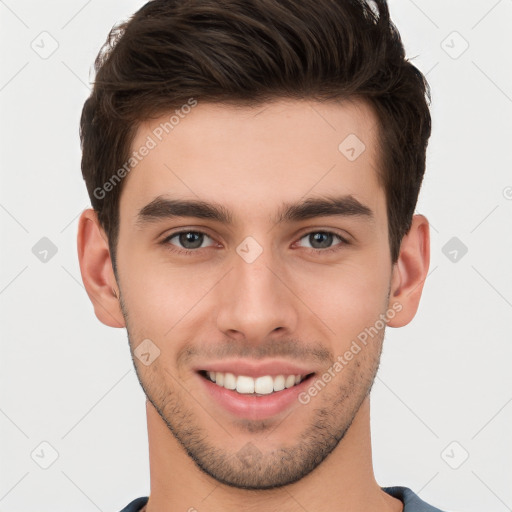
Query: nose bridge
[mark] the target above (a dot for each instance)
(255, 301)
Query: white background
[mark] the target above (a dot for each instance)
(69, 381)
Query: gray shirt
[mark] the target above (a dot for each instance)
(411, 501)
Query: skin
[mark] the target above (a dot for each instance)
(294, 302)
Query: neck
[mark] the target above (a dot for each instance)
(343, 482)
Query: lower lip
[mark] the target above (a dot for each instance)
(255, 407)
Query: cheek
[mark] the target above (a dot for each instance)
(347, 298)
(160, 299)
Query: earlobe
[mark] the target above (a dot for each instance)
(96, 269)
(410, 272)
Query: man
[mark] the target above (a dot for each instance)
(253, 169)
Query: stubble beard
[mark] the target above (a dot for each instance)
(253, 466)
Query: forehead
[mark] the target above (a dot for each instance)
(250, 158)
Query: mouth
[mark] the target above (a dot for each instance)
(254, 389)
(255, 386)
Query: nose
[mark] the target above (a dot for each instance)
(257, 300)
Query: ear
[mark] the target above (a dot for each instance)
(96, 269)
(410, 272)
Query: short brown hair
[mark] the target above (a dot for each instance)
(251, 52)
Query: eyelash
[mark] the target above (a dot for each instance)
(180, 250)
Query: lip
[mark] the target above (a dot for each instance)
(256, 369)
(251, 406)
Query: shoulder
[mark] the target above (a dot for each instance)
(136, 504)
(412, 502)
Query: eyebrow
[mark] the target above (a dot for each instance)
(165, 208)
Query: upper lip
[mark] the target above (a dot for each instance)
(252, 368)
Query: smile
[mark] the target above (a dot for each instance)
(245, 385)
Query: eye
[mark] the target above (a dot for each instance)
(322, 241)
(189, 241)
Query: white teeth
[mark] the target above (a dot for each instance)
(264, 385)
(279, 383)
(290, 381)
(229, 381)
(247, 385)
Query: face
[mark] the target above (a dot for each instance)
(253, 251)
